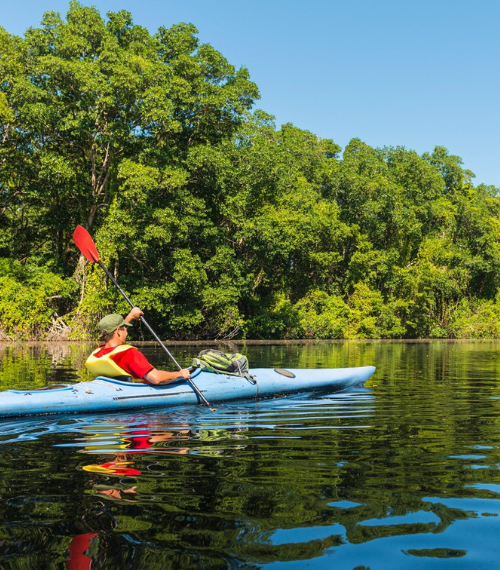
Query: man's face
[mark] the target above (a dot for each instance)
(122, 333)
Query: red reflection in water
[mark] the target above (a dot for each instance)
(80, 543)
(116, 467)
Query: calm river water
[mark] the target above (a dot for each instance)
(404, 473)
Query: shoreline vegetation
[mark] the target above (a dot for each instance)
(217, 223)
(250, 342)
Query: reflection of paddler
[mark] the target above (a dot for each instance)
(137, 440)
(114, 493)
(144, 438)
(116, 467)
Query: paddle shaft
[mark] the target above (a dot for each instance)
(143, 320)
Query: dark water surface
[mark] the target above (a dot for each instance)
(402, 474)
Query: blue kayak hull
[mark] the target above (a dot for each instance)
(107, 394)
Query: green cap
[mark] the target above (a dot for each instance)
(111, 322)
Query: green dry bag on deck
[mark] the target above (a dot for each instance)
(217, 361)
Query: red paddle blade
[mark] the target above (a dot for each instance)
(85, 244)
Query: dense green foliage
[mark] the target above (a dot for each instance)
(217, 223)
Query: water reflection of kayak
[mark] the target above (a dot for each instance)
(106, 394)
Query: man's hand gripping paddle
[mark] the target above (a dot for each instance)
(87, 247)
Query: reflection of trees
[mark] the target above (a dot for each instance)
(37, 364)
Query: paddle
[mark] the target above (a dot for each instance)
(86, 245)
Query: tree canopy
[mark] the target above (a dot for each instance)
(215, 221)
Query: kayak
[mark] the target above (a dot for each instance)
(109, 394)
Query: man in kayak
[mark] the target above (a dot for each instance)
(115, 358)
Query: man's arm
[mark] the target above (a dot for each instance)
(134, 315)
(163, 377)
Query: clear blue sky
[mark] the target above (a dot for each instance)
(390, 72)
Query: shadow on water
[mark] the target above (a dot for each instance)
(403, 473)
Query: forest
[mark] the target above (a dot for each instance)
(216, 222)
